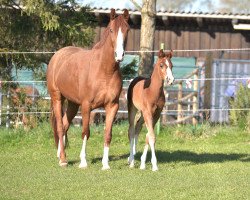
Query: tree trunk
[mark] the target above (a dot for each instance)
(147, 37)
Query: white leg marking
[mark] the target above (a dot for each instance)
(131, 160)
(83, 163)
(105, 158)
(135, 144)
(153, 158)
(58, 150)
(59, 147)
(143, 157)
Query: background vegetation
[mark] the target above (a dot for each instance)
(37, 25)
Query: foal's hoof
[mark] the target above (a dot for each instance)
(142, 167)
(154, 169)
(63, 163)
(106, 167)
(83, 165)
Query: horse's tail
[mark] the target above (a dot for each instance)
(53, 124)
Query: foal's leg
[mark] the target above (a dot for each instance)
(150, 139)
(85, 134)
(57, 100)
(111, 110)
(131, 135)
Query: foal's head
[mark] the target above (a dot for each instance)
(165, 65)
(118, 27)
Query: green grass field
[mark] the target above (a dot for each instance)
(207, 162)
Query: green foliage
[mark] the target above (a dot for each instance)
(39, 25)
(129, 71)
(239, 117)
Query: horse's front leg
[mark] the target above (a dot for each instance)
(85, 109)
(111, 110)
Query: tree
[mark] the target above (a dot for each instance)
(148, 13)
(40, 25)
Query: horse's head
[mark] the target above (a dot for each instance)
(118, 27)
(165, 66)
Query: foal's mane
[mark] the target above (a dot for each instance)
(120, 21)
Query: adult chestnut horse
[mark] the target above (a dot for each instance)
(90, 79)
(145, 102)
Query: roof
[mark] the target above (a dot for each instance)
(235, 9)
(168, 13)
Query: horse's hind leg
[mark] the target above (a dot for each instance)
(85, 109)
(69, 115)
(131, 134)
(57, 100)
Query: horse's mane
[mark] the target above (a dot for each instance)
(99, 44)
(119, 22)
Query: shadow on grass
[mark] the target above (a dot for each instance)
(180, 156)
(185, 156)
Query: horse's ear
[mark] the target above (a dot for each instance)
(126, 14)
(161, 54)
(170, 54)
(112, 14)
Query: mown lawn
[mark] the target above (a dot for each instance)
(207, 162)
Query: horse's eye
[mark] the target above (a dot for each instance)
(111, 30)
(161, 65)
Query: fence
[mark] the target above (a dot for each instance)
(183, 102)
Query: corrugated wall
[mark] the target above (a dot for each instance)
(219, 99)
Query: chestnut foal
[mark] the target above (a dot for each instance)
(145, 103)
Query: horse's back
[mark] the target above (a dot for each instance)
(64, 55)
(63, 71)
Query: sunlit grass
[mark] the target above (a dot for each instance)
(206, 162)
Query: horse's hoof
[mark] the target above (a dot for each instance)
(63, 163)
(83, 165)
(107, 167)
(154, 169)
(142, 167)
(132, 164)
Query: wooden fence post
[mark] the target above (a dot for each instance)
(179, 106)
(8, 109)
(0, 102)
(195, 99)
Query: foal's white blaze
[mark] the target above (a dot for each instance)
(83, 163)
(119, 50)
(170, 77)
(105, 158)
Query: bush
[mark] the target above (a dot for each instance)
(240, 115)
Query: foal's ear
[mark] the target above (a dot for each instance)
(126, 14)
(170, 54)
(161, 54)
(112, 14)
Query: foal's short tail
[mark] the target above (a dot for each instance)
(53, 124)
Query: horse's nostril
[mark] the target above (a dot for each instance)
(123, 54)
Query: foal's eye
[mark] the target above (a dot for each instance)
(161, 65)
(111, 30)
